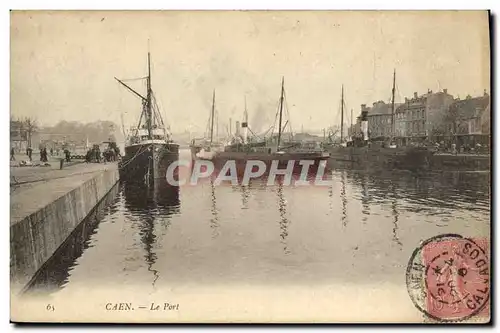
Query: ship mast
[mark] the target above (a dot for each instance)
(342, 117)
(392, 105)
(212, 120)
(352, 129)
(281, 109)
(149, 115)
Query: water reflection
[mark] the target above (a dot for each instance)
(144, 235)
(365, 197)
(284, 221)
(153, 203)
(214, 220)
(245, 194)
(55, 272)
(158, 199)
(343, 198)
(395, 215)
(432, 194)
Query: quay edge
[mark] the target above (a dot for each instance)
(50, 213)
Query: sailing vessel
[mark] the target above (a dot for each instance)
(330, 144)
(207, 147)
(361, 153)
(275, 149)
(149, 148)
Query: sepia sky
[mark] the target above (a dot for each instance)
(63, 63)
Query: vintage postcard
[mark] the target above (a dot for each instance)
(250, 166)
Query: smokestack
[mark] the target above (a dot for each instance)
(415, 95)
(364, 123)
(237, 130)
(244, 125)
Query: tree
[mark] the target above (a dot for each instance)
(30, 125)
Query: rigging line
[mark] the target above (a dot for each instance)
(255, 135)
(288, 114)
(398, 93)
(276, 115)
(163, 121)
(156, 112)
(139, 152)
(275, 119)
(267, 131)
(140, 119)
(285, 107)
(134, 79)
(158, 109)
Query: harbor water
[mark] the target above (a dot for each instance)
(237, 252)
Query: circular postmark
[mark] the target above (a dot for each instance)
(448, 278)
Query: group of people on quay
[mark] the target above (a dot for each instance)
(454, 149)
(44, 154)
(110, 154)
(440, 147)
(93, 155)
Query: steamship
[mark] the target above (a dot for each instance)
(149, 148)
(268, 150)
(360, 153)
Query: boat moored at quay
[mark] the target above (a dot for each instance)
(149, 148)
(360, 153)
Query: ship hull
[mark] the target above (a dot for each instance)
(194, 151)
(283, 160)
(204, 152)
(148, 162)
(381, 158)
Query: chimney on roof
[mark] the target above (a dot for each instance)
(415, 95)
(445, 91)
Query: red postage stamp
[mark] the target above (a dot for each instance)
(448, 278)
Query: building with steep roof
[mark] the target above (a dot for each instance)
(469, 120)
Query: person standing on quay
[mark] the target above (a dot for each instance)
(12, 152)
(29, 152)
(68, 155)
(44, 155)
